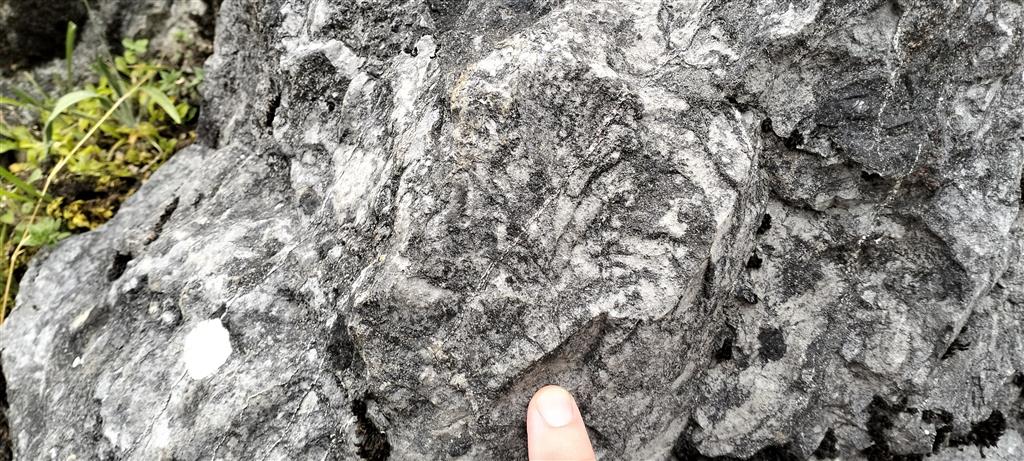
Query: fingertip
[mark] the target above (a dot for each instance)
(555, 428)
(555, 405)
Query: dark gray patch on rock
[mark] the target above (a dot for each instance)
(773, 344)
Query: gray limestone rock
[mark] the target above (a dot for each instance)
(734, 230)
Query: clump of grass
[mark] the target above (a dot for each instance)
(76, 156)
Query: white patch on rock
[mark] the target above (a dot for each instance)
(413, 74)
(310, 403)
(711, 49)
(297, 43)
(340, 56)
(113, 436)
(80, 320)
(161, 436)
(670, 221)
(207, 347)
(293, 20)
(793, 20)
(354, 182)
(729, 145)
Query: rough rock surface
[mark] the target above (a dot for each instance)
(765, 230)
(174, 27)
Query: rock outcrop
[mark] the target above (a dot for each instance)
(762, 230)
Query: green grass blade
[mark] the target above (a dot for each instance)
(16, 197)
(17, 182)
(7, 146)
(25, 98)
(67, 101)
(39, 88)
(11, 102)
(163, 101)
(69, 48)
(126, 111)
(116, 82)
(63, 104)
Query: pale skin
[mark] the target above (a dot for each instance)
(554, 427)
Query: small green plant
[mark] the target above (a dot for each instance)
(74, 158)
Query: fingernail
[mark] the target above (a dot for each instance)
(556, 407)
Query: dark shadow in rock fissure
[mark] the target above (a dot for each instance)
(373, 443)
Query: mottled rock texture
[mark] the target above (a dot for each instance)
(734, 229)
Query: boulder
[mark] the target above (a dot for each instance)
(787, 230)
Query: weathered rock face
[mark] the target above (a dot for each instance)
(769, 229)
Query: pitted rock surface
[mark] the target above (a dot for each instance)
(734, 230)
